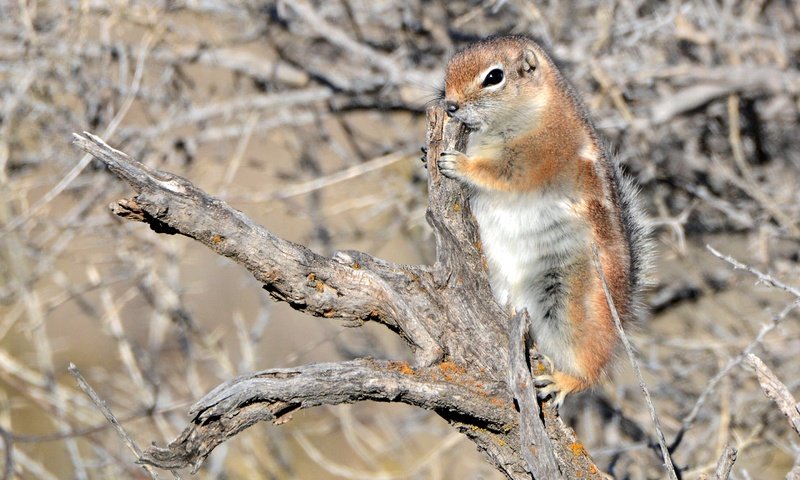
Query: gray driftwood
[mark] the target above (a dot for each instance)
(464, 364)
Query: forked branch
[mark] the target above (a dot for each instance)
(446, 313)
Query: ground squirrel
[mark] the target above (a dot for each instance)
(543, 190)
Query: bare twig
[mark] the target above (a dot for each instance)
(329, 180)
(101, 405)
(632, 357)
(689, 420)
(725, 463)
(70, 176)
(776, 391)
(8, 453)
(762, 277)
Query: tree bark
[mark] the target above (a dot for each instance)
(465, 368)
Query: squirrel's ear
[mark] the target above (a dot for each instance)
(530, 62)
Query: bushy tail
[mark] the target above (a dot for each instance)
(639, 235)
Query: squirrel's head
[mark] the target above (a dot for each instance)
(498, 85)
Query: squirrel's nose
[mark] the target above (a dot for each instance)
(451, 107)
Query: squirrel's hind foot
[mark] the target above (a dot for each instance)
(553, 384)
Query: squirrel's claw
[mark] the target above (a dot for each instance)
(545, 381)
(551, 390)
(449, 162)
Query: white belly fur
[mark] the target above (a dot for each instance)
(524, 237)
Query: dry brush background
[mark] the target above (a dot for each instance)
(308, 116)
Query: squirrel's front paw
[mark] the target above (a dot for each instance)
(450, 164)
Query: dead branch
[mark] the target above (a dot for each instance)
(668, 465)
(715, 83)
(535, 445)
(776, 320)
(725, 463)
(272, 395)
(331, 288)
(443, 311)
(112, 419)
(776, 391)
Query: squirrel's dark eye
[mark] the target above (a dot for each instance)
(493, 78)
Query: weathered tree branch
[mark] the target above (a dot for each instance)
(320, 286)
(274, 394)
(533, 437)
(446, 313)
(776, 391)
(725, 463)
